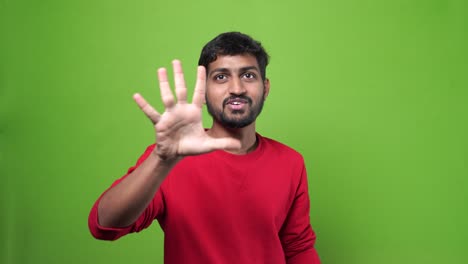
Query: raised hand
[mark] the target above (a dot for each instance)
(179, 130)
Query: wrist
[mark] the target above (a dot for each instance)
(165, 160)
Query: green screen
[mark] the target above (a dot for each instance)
(372, 93)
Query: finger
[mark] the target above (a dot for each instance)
(166, 93)
(229, 144)
(180, 88)
(199, 93)
(149, 111)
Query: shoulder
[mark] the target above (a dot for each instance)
(275, 147)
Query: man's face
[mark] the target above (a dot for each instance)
(235, 91)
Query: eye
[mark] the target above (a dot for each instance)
(249, 75)
(220, 77)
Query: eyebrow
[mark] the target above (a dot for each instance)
(242, 69)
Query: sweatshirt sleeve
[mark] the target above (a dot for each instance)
(297, 236)
(154, 210)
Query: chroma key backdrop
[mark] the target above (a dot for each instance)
(372, 93)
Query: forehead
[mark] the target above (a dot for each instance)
(233, 63)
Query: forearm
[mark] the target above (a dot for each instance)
(121, 205)
(309, 256)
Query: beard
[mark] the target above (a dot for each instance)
(236, 118)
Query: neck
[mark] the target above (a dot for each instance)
(246, 135)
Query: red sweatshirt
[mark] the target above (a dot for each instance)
(225, 208)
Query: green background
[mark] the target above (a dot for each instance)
(372, 93)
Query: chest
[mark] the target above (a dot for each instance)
(230, 196)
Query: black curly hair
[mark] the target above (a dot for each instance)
(234, 43)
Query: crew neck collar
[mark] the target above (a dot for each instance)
(253, 155)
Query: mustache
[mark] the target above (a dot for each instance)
(237, 97)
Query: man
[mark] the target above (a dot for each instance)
(224, 194)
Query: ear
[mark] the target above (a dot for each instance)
(266, 88)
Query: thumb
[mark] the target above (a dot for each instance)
(229, 144)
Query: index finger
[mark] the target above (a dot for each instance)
(199, 93)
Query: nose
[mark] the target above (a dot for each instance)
(236, 87)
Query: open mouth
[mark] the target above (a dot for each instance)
(237, 103)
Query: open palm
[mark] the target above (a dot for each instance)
(179, 130)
